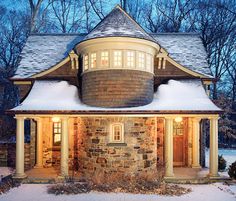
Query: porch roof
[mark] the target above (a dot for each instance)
(175, 97)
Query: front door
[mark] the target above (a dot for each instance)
(179, 143)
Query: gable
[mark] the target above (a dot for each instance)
(187, 50)
(43, 51)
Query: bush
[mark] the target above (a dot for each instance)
(221, 163)
(232, 170)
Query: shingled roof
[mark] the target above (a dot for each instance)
(43, 51)
(118, 24)
(186, 49)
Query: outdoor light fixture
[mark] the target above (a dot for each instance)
(178, 119)
(55, 119)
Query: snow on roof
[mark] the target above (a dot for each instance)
(118, 24)
(42, 51)
(186, 49)
(184, 95)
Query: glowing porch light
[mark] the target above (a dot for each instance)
(55, 119)
(178, 119)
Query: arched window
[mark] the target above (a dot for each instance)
(117, 133)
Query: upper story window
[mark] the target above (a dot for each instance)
(117, 58)
(93, 60)
(56, 133)
(104, 58)
(149, 62)
(117, 133)
(130, 59)
(141, 60)
(86, 62)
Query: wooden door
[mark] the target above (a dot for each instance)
(179, 143)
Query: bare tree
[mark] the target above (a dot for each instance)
(34, 8)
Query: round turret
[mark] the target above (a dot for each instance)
(117, 64)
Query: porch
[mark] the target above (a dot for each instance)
(183, 175)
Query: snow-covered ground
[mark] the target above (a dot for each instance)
(5, 171)
(38, 192)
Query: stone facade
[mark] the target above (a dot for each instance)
(117, 88)
(8, 155)
(95, 152)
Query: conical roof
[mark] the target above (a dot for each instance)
(118, 24)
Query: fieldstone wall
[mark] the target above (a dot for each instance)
(117, 88)
(160, 141)
(8, 155)
(95, 152)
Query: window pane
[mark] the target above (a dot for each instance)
(86, 62)
(141, 60)
(149, 62)
(93, 60)
(104, 58)
(117, 58)
(56, 133)
(130, 59)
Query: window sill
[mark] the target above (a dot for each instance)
(117, 144)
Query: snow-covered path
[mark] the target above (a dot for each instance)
(38, 192)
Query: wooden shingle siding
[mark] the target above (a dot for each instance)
(117, 88)
(169, 71)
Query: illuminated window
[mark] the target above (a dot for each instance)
(117, 58)
(117, 133)
(141, 60)
(149, 62)
(86, 62)
(178, 128)
(104, 58)
(93, 60)
(130, 59)
(56, 133)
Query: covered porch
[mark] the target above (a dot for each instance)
(177, 99)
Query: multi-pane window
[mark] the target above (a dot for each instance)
(56, 133)
(117, 58)
(178, 128)
(148, 62)
(130, 59)
(86, 62)
(141, 60)
(104, 58)
(93, 60)
(117, 133)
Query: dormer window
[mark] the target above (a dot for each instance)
(86, 62)
(117, 58)
(93, 60)
(141, 60)
(130, 59)
(104, 58)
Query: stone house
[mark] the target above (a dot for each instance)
(115, 99)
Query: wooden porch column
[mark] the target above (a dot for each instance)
(64, 148)
(39, 156)
(20, 160)
(169, 147)
(196, 147)
(213, 172)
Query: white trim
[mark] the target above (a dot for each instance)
(112, 133)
